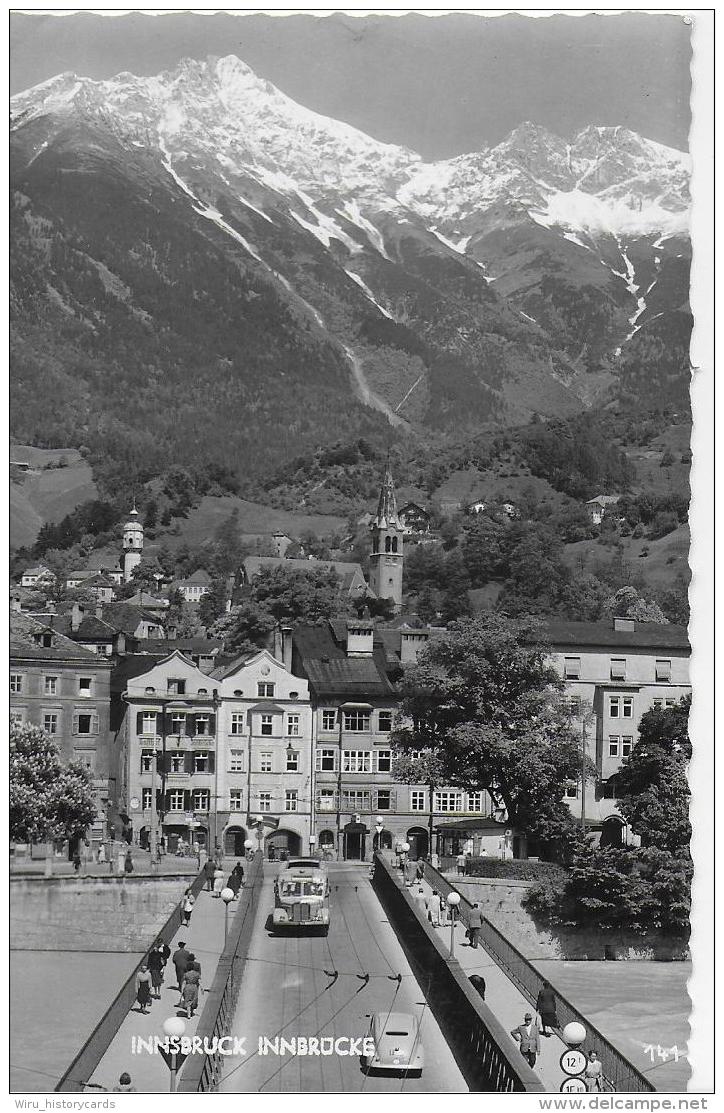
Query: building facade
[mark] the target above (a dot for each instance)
(359, 806)
(614, 673)
(167, 734)
(58, 685)
(266, 755)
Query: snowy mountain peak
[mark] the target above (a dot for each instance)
(219, 111)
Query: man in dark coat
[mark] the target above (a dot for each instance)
(475, 922)
(181, 961)
(209, 867)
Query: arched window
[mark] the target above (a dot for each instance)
(388, 544)
(394, 544)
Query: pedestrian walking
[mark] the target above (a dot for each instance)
(194, 963)
(76, 862)
(218, 881)
(593, 1074)
(461, 863)
(101, 854)
(546, 1008)
(475, 922)
(420, 900)
(435, 908)
(181, 964)
(128, 862)
(125, 1086)
(156, 964)
(479, 983)
(190, 991)
(239, 871)
(188, 907)
(209, 871)
(526, 1035)
(143, 987)
(420, 871)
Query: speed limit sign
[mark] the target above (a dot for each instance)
(573, 1086)
(573, 1061)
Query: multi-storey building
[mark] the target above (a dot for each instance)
(265, 765)
(58, 685)
(226, 756)
(167, 733)
(614, 673)
(351, 666)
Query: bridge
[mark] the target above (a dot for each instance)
(381, 955)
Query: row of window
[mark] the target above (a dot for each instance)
(199, 800)
(617, 668)
(84, 722)
(622, 707)
(358, 800)
(353, 761)
(202, 761)
(82, 685)
(357, 720)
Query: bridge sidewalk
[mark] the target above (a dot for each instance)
(504, 998)
(149, 1073)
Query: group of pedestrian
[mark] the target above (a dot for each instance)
(527, 1036)
(188, 978)
(236, 879)
(149, 978)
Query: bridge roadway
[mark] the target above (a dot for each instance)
(286, 992)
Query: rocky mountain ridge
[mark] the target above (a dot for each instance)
(203, 227)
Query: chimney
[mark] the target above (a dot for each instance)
(16, 605)
(50, 607)
(76, 617)
(99, 609)
(278, 649)
(624, 625)
(286, 639)
(121, 643)
(360, 637)
(411, 642)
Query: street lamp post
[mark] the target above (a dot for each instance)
(312, 844)
(453, 900)
(405, 848)
(227, 895)
(248, 847)
(174, 1027)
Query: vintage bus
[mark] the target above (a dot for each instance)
(301, 897)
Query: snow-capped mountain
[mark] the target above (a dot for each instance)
(608, 180)
(502, 281)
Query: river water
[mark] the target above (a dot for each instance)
(73, 944)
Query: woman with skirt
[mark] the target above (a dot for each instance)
(156, 964)
(546, 1008)
(143, 988)
(190, 992)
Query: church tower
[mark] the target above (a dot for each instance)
(387, 535)
(132, 544)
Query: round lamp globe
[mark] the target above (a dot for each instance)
(174, 1026)
(227, 895)
(574, 1034)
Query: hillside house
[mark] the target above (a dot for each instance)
(196, 586)
(414, 518)
(598, 507)
(476, 507)
(37, 576)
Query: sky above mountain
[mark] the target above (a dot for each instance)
(441, 86)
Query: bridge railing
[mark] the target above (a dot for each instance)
(619, 1074)
(488, 1059)
(202, 1071)
(86, 1061)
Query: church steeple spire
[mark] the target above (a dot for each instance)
(387, 540)
(387, 517)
